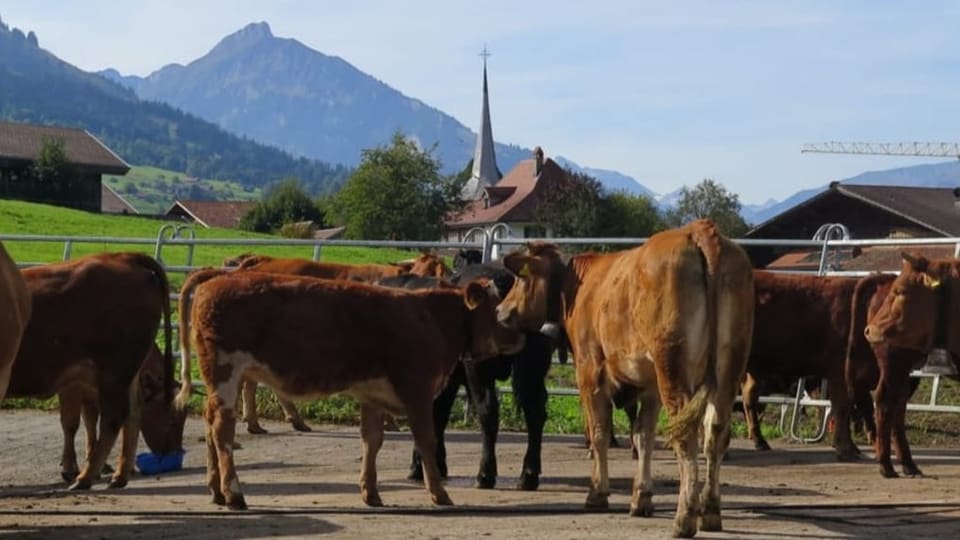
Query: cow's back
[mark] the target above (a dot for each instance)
(15, 299)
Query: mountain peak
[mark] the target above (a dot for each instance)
(247, 36)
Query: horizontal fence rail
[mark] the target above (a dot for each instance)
(492, 246)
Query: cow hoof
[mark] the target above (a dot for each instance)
(528, 482)
(107, 469)
(848, 456)
(372, 498)
(711, 522)
(597, 501)
(301, 426)
(761, 445)
(236, 445)
(486, 482)
(218, 499)
(911, 470)
(81, 484)
(256, 429)
(237, 502)
(643, 507)
(684, 528)
(69, 476)
(888, 472)
(415, 474)
(117, 483)
(442, 499)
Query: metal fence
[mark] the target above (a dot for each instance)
(492, 242)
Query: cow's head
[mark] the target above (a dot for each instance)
(485, 337)
(533, 303)
(908, 315)
(161, 423)
(427, 265)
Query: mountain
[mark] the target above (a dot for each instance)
(38, 87)
(612, 180)
(925, 175)
(279, 91)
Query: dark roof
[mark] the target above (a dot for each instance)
(936, 209)
(112, 202)
(223, 214)
(22, 142)
(515, 197)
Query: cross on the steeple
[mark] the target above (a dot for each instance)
(485, 54)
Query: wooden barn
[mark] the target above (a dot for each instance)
(80, 185)
(867, 212)
(221, 214)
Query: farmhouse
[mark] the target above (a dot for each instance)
(221, 214)
(867, 211)
(79, 186)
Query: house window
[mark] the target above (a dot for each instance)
(534, 231)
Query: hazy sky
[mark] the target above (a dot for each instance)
(668, 92)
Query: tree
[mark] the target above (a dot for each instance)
(51, 164)
(285, 202)
(709, 199)
(623, 215)
(396, 193)
(572, 207)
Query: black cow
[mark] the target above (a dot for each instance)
(527, 370)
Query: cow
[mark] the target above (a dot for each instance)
(914, 317)
(527, 370)
(94, 320)
(880, 372)
(160, 423)
(668, 322)
(427, 264)
(306, 337)
(15, 299)
(802, 328)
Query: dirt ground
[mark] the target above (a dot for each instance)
(300, 485)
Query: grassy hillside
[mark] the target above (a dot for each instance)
(28, 218)
(152, 190)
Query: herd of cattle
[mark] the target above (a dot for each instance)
(682, 322)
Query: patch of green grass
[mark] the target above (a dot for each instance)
(152, 190)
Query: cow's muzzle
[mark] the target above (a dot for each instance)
(551, 330)
(873, 334)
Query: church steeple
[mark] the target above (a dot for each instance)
(484, 161)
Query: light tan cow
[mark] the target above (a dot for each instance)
(669, 322)
(15, 299)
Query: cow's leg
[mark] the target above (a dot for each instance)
(750, 391)
(483, 389)
(529, 374)
(716, 425)
(630, 410)
(643, 437)
(442, 406)
(213, 462)
(129, 437)
(598, 409)
(71, 403)
(371, 439)
(688, 511)
(901, 444)
(420, 416)
(90, 412)
(114, 405)
(840, 404)
(884, 397)
(292, 415)
(223, 428)
(249, 396)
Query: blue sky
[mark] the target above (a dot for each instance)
(667, 92)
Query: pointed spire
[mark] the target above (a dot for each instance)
(484, 160)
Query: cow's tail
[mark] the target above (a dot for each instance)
(687, 421)
(154, 266)
(183, 312)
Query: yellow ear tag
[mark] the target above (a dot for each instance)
(930, 282)
(525, 271)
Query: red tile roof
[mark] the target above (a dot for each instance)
(223, 214)
(112, 202)
(22, 142)
(515, 197)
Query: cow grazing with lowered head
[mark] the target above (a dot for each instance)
(880, 373)
(919, 313)
(161, 424)
(391, 349)
(670, 323)
(427, 264)
(15, 299)
(94, 321)
(801, 329)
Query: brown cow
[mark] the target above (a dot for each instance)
(878, 372)
(161, 424)
(427, 264)
(668, 322)
(802, 328)
(392, 349)
(94, 320)
(918, 314)
(15, 299)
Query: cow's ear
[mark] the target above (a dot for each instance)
(475, 294)
(519, 264)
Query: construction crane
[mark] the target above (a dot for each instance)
(923, 149)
